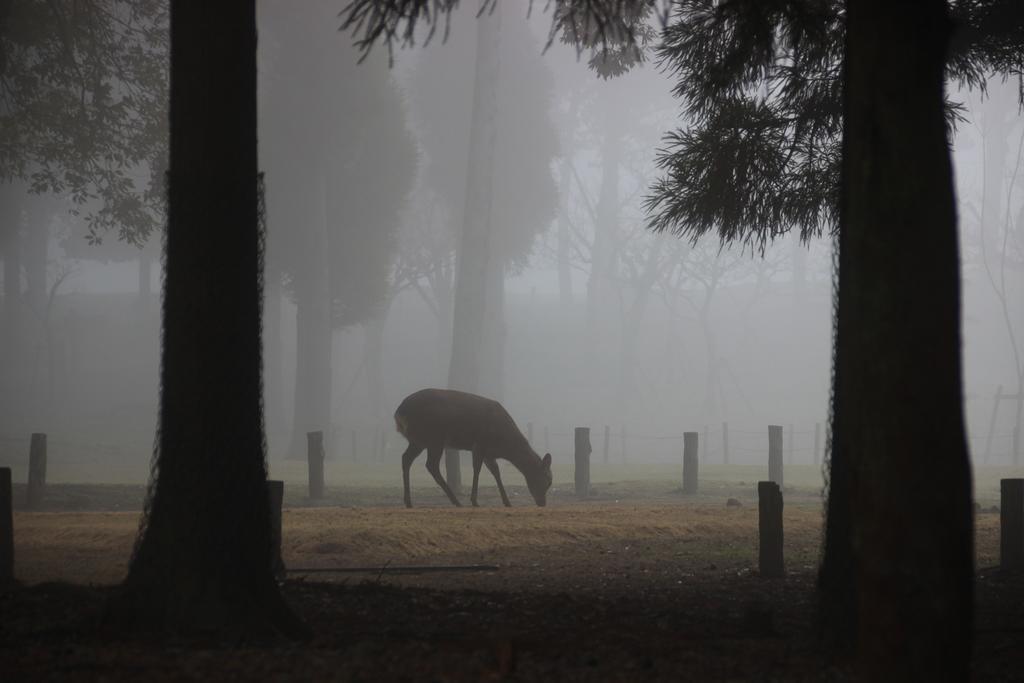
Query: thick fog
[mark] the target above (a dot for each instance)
(583, 316)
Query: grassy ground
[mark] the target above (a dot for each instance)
(637, 582)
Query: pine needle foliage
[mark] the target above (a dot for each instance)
(760, 84)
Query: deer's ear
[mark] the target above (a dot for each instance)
(547, 460)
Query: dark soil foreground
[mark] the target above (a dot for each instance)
(738, 628)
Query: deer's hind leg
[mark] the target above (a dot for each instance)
(492, 465)
(411, 453)
(434, 467)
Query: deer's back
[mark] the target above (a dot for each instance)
(444, 418)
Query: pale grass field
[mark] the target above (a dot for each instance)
(585, 544)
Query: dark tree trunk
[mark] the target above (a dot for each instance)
(203, 559)
(898, 411)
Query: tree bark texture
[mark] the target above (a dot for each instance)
(203, 559)
(898, 413)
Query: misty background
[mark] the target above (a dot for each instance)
(596, 321)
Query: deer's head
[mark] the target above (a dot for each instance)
(541, 482)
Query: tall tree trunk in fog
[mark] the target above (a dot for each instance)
(602, 254)
(313, 337)
(37, 238)
(900, 479)
(564, 238)
(492, 367)
(474, 258)
(632, 318)
(373, 345)
(203, 559)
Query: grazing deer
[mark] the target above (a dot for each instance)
(435, 419)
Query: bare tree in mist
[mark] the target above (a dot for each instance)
(83, 129)
(203, 558)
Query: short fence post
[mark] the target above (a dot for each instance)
(6, 527)
(582, 455)
(275, 491)
(769, 527)
(607, 439)
(36, 470)
(817, 443)
(775, 454)
(690, 462)
(1011, 523)
(315, 458)
(725, 443)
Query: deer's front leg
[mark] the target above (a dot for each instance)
(478, 460)
(492, 465)
(434, 467)
(411, 453)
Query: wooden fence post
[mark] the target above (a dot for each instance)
(769, 527)
(725, 443)
(1011, 523)
(690, 462)
(817, 443)
(775, 454)
(6, 527)
(582, 455)
(36, 470)
(275, 491)
(607, 439)
(315, 459)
